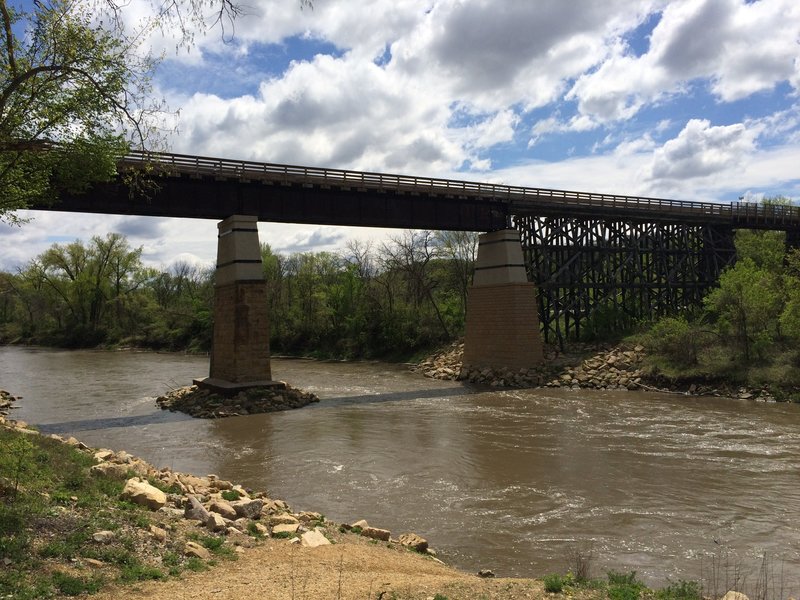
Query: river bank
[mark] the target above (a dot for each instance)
(585, 366)
(187, 524)
(183, 524)
(501, 478)
(183, 536)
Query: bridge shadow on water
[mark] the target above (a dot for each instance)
(163, 416)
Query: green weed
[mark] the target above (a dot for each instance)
(76, 586)
(553, 583)
(137, 571)
(682, 590)
(230, 495)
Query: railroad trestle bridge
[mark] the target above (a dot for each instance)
(597, 260)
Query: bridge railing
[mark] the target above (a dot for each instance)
(522, 199)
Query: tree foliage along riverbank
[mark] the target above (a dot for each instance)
(407, 295)
(389, 301)
(748, 329)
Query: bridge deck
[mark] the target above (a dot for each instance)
(198, 186)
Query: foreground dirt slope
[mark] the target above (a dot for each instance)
(347, 571)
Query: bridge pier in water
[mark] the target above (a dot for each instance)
(502, 328)
(240, 343)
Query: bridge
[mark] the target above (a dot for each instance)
(214, 188)
(597, 260)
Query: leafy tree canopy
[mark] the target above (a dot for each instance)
(75, 90)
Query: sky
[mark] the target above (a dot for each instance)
(684, 99)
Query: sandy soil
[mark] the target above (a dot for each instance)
(353, 570)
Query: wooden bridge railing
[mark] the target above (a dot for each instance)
(522, 200)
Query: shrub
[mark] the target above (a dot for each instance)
(553, 583)
(676, 340)
(624, 586)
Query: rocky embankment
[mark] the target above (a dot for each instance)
(581, 366)
(205, 404)
(184, 503)
(606, 368)
(6, 403)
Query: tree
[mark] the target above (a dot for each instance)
(69, 91)
(84, 291)
(747, 305)
(75, 90)
(460, 248)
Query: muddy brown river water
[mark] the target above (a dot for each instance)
(512, 480)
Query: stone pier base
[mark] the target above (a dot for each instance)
(241, 333)
(502, 328)
(240, 342)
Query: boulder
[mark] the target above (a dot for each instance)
(413, 541)
(283, 520)
(196, 550)
(285, 528)
(223, 508)
(376, 534)
(215, 522)
(195, 510)
(103, 537)
(314, 538)
(139, 467)
(248, 509)
(101, 455)
(110, 470)
(142, 493)
(160, 535)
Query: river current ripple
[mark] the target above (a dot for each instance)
(513, 480)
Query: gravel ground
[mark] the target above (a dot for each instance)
(351, 570)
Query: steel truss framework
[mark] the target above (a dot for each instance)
(600, 275)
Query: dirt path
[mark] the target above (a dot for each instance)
(346, 571)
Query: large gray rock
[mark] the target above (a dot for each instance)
(103, 537)
(248, 509)
(142, 493)
(195, 510)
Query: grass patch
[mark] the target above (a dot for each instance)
(230, 495)
(70, 585)
(137, 571)
(50, 507)
(215, 544)
(682, 590)
(195, 564)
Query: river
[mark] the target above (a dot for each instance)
(511, 480)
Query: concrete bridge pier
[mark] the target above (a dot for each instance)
(502, 328)
(240, 342)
